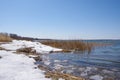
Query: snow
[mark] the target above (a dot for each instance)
(19, 67)
(96, 77)
(61, 79)
(38, 47)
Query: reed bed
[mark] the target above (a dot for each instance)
(70, 45)
(5, 38)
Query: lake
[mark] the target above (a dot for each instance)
(102, 62)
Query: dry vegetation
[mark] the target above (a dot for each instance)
(4, 37)
(57, 76)
(2, 48)
(25, 50)
(70, 45)
(73, 45)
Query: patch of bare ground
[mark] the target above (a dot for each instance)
(26, 50)
(29, 52)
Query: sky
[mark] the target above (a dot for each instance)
(61, 19)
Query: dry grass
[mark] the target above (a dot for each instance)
(70, 45)
(73, 45)
(5, 38)
(26, 50)
(57, 76)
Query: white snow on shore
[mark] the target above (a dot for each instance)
(18, 67)
(38, 47)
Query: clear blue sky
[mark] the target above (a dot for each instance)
(61, 19)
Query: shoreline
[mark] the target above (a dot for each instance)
(36, 57)
(58, 71)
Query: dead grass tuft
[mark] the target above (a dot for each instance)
(28, 50)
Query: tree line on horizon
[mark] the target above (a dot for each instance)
(17, 37)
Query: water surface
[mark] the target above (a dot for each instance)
(102, 61)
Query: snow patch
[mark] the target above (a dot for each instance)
(19, 67)
(38, 47)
